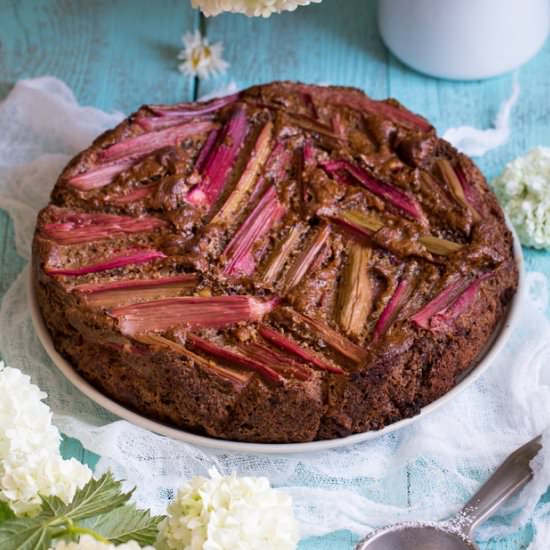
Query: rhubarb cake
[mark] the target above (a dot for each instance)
(285, 264)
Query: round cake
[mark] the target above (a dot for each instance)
(284, 264)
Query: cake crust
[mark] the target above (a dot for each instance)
(286, 264)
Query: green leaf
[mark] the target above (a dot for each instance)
(125, 524)
(6, 513)
(98, 496)
(25, 533)
(101, 497)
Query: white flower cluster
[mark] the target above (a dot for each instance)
(249, 7)
(524, 191)
(229, 513)
(88, 542)
(30, 462)
(199, 57)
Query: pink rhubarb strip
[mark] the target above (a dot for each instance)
(220, 160)
(144, 144)
(397, 301)
(124, 258)
(190, 110)
(82, 227)
(291, 346)
(99, 177)
(389, 193)
(451, 302)
(227, 354)
(198, 311)
(360, 102)
(238, 253)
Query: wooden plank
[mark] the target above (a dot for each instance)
(114, 54)
(72, 448)
(332, 42)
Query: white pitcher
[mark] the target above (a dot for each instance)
(464, 39)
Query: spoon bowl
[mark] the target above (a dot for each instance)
(457, 532)
(412, 536)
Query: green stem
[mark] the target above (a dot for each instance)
(75, 530)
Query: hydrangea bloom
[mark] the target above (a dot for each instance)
(87, 542)
(249, 7)
(25, 421)
(40, 474)
(30, 463)
(524, 191)
(229, 513)
(200, 58)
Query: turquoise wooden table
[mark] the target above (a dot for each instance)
(118, 54)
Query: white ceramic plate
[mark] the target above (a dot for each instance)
(492, 349)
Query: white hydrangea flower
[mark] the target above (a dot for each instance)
(249, 7)
(200, 58)
(88, 542)
(41, 474)
(30, 463)
(524, 191)
(229, 513)
(25, 422)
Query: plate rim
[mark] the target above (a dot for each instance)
(499, 339)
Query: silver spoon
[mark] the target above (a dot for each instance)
(457, 532)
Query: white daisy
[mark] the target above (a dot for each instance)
(200, 58)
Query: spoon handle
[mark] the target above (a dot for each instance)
(510, 476)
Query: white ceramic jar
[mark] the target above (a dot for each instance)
(464, 39)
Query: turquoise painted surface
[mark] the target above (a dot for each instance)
(118, 54)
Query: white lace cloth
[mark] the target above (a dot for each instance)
(425, 471)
